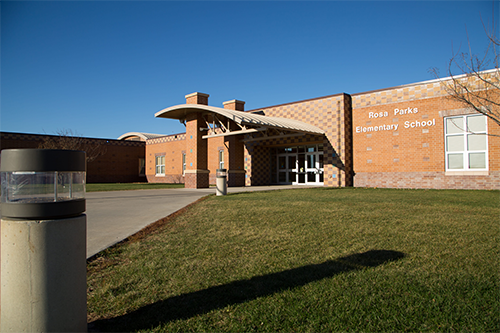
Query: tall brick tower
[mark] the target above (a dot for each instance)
(197, 173)
(235, 164)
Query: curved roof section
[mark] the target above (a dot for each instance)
(144, 136)
(242, 118)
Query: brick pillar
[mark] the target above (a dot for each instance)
(234, 105)
(235, 159)
(338, 145)
(197, 98)
(197, 173)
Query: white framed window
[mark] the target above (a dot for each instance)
(221, 159)
(160, 165)
(183, 164)
(466, 143)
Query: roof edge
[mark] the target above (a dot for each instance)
(144, 136)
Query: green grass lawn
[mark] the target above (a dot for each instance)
(96, 187)
(309, 260)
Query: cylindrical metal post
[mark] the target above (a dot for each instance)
(221, 182)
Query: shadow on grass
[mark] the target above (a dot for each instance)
(199, 302)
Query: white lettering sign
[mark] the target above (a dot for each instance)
(391, 127)
(378, 114)
(417, 123)
(405, 111)
(394, 127)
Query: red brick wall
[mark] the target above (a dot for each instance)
(119, 163)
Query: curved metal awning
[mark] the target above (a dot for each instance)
(141, 135)
(216, 118)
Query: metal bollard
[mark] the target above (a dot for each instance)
(221, 182)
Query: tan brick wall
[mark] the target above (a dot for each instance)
(196, 152)
(214, 145)
(428, 180)
(413, 154)
(172, 146)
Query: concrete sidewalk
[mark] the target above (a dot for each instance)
(114, 216)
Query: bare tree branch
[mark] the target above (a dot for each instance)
(477, 86)
(67, 140)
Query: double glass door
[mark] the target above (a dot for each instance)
(300, 165)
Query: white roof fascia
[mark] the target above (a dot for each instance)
(145, 136)
(239, 117)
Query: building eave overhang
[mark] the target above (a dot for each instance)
(247, 121)
(143, 136)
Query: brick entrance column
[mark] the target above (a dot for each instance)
(197, 173)
(235, 159)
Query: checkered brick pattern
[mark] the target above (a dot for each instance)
(23, 137)
(402, 94)
(37, 137)
(422, 90)
(260, 172)
(168, 138)
(332, 114)
(248, 154)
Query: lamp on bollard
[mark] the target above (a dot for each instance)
(44, 235)
(221, 184)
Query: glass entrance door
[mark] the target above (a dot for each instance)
(300, 165)
(301, 169)
(314, 168)
(287, 168)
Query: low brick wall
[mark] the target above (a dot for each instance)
(196, 180)
(168, 179)
(427, 180)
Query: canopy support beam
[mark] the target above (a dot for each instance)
(245, 131)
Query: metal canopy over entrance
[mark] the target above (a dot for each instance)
(218, 122)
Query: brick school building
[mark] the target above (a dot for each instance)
(410, 136)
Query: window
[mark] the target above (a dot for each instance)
(221, 159)
(142, 167)
(160, 165)
(466, 142)
(183, 164)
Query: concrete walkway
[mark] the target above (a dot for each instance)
(116, 215)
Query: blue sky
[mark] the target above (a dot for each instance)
(104, 68)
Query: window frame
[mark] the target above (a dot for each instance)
(221, 158)
(160, 165)
(183, 163)
(465, 151)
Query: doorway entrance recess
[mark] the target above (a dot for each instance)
(299, 165)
